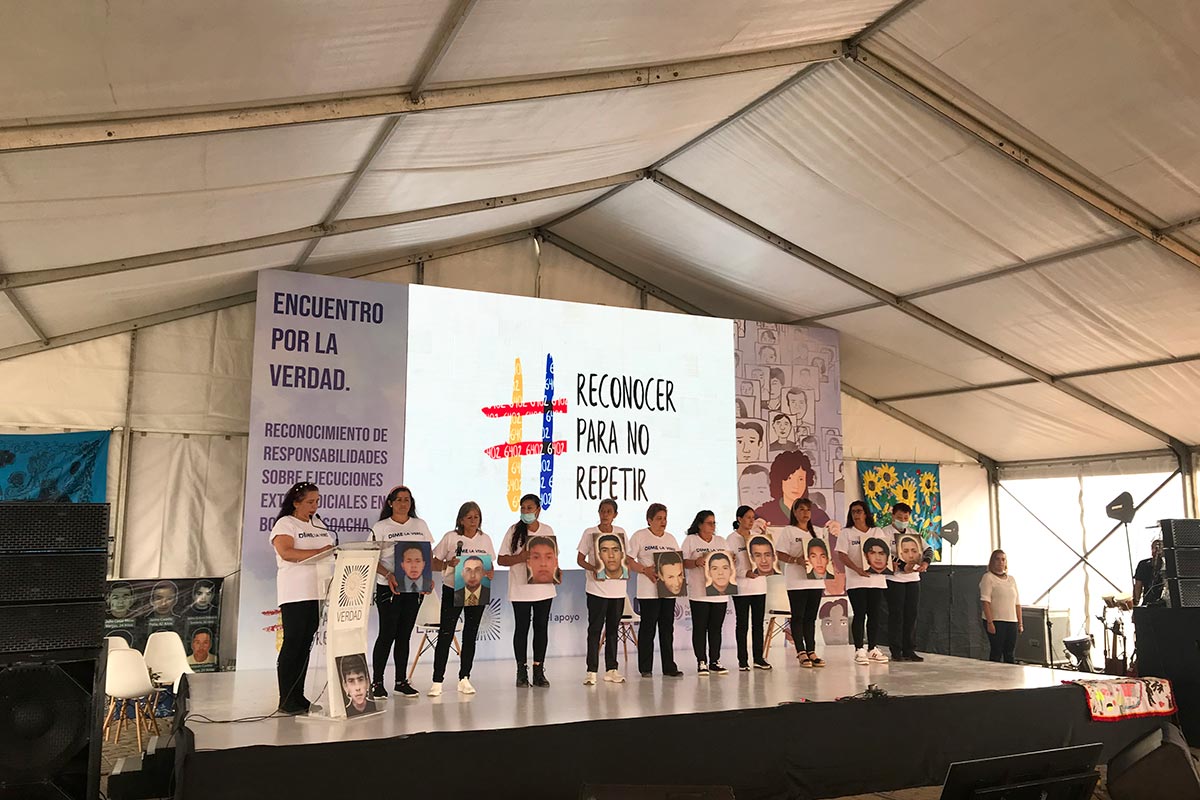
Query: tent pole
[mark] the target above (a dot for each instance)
(123, 466)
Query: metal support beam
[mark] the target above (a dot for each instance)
(123, 465)
(400, 101)
(993, 485)
(39, 277)
(886, 18)
(456, 15)
(25, 315)
(1097, 199)
(908, 308)
(1080, 460)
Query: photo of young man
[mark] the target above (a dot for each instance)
(876, 556)
(472, 587)
(909, 552)
(356, 685)
(762, 555)
(204, 595)
(610, 555)
(120, 601)
(719, 580)
(201, 650)
(162, 617)
(543, 560)
(669, 566)
(416, 567)
(817, 554)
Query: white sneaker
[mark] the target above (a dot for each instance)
(465, 687)
(612, 676)
(877, 656)
(860, 656)
(435, 690)
(590, 680)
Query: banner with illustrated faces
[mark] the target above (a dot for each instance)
(885, 483)
(191, 607)
(789, 426)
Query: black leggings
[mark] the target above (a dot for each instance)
(300, 621)
(471, 619)
(540, 612)
(866, 603)
(1003, 642)
(749, 609)
(604, 615)
(903, 599)
(397, 616)
(657, 615)
(707, 619)
(805, 603)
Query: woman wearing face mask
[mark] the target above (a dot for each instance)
(804, 593)
(865, 589)
(529, 600)
(904, 590)
(708, 611)
(750, 603)
(658, 614)
(1001, 608)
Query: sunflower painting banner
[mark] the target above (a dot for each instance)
(884, 483)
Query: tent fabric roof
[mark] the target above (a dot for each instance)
(692, 147)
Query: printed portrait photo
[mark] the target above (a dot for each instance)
(200, 652)
(163, 598)
(414, 567)
(876, 556)
(669, 566)
(120, 601)
(472, 580)
(720, 578)
(763, 560)
(542, 566)
(610, 555)
(204, 599)
(356, 684)
(817, 560)
(909, 549)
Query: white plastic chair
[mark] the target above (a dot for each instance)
(166, 657)
(117, 643)
(127, 680)
(429, 622)
(626, 633)
(778, 608)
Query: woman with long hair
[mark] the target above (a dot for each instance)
(296, 539)
(601, 552)
(529, 600)
(398, 600)
(658, 613)
(1001, 608)
(708, 608)
(467, 540)
(804, 593)
(866, 589)
(750, 603)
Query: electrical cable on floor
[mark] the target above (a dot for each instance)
(276, 714)
(872, 692)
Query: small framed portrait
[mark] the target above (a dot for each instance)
(761, 552)
(669, 566)
(751, 441)
(542, 564)
(473, 580)
(876, 556)
(201, 657)
(781, 432)
(720, 578)
(818, 560)
(767, 336)
(356, 684)
(910, 550)
(609, 549)
(768, 353)
(414, 567)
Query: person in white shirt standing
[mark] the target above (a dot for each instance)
(750, 603)
(804, 593)
(398, 607)
(1001, 609)
(866, 590)
(658, 614)
(466, 540)
(529, 600)
(605, 598)
(903, 589)
(296, 539)
(708, 612)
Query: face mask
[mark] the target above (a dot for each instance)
(528, 518)
(900, 524)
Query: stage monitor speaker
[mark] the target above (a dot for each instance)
(1182, 562)
(51, 714)
(1154, 767)
(1168, 646)
(1033, 646)
(1182, 533)
(1183, 593)
(620, 792)
(53, 527)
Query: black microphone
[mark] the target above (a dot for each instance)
(336, 543)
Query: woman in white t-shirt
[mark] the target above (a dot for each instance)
(658, 613)
(601, 552)
(866, 589)
(804, 589)
(466, 542)
(1001, 608)
(530, 539)
(296, 539)
(749, 548)
(398, 598)
(708, 604)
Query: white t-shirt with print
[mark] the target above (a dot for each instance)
(891, 534)
(747, 587)
(520, 590)
(478, 545)
(642, 547)
(1002, 594)
(693, 547)
(612, 589)
(296, 581)
(388, 532)
(850, 542)
(794, 542)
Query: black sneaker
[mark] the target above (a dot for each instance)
(647, 674)
(717, 669)
(378, 692)
(897, 656)
(673, 672)
(403, 688)
(743, 667)
(762, 665)
(913, 657)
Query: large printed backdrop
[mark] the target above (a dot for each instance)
(886, 483)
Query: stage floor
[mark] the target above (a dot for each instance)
(500, 705)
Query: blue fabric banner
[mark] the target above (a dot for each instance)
(58, 467)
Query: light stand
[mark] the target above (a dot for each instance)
(950, 536)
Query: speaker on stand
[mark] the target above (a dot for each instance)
(53, 560)
(950, 537)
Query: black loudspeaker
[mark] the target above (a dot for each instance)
(619, 792)
(1037, 645)
(1168, 646)
(1180, 532)
(1183, 593)
(1155, 767)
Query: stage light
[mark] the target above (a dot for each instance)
(1081, 648)
(950, 532)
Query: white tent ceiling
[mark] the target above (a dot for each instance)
(996, 203)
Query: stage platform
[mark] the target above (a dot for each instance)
(780, 733)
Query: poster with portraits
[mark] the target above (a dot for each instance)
(609, 553)
(414, 567)
(720, 576)
(789, 424)
(668, 565)
(764, 560)
(541, 563)
(473, 580)
(191, 607)
(877, 555)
